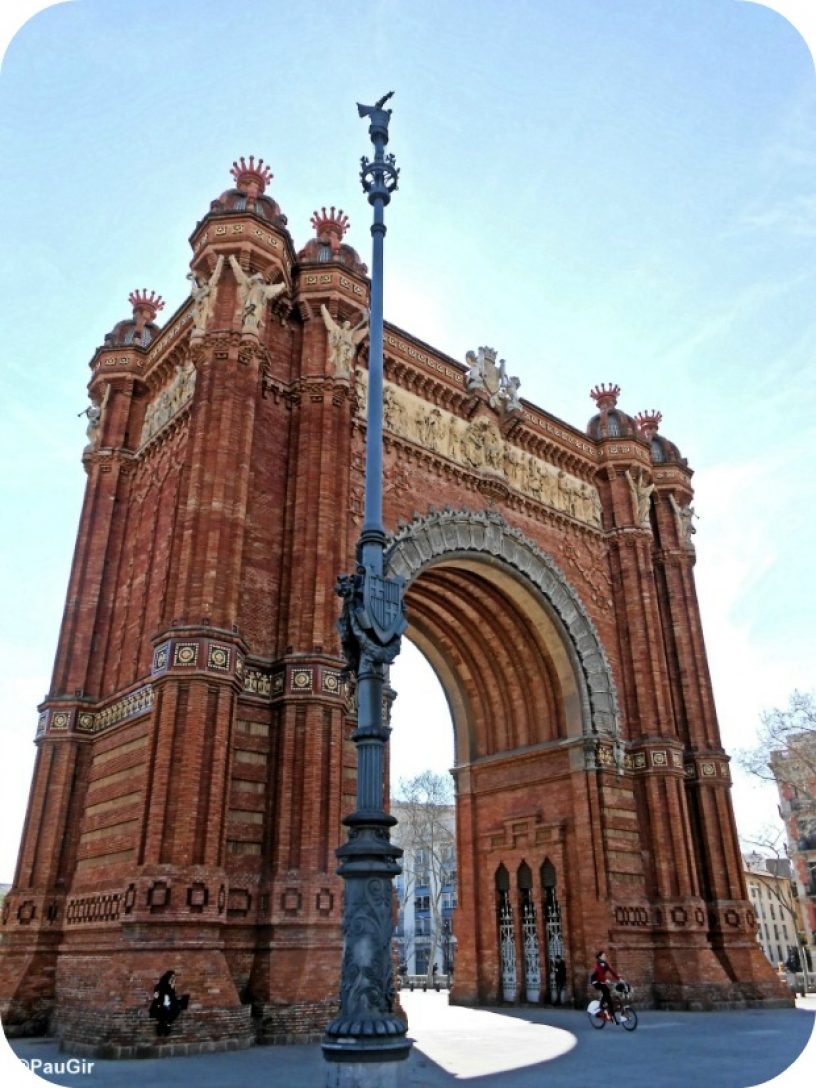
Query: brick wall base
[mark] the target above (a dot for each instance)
(130, 1033)
(26, 989)
(301, 1022)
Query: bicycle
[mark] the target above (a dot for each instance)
(622, 1014)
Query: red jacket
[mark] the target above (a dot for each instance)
(603, 970)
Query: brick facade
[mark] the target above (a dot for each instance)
(194, 755)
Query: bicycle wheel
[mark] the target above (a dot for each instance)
(596, 1017)
(628, 1018)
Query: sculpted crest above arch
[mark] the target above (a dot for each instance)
(428, 539)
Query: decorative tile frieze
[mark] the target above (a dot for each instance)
(295, 679)
(709, 770)
(130, 706)
(331, 682)
(137, 702)
(654, 759)
(161, 658)
(219, 657)
(606, 756)
(302, 680)
(257, 682)
(185, 654)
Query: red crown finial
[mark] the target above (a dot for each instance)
(332, 223)
(648, 422)
(251, 176)
(605, 397)
(145, 307)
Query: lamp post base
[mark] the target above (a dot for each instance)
(376, 1074)
(354, 1062)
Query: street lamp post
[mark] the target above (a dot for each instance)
(364, 1043)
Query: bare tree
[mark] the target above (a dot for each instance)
(785, 751)
(424, 808)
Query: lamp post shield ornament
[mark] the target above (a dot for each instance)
(371, 625)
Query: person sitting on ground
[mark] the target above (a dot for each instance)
(599, 977)
(166, 1005)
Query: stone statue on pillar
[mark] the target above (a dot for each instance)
(253, 294)
(202, 292)
(343, 341)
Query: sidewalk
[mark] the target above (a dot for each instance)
(499, 1048)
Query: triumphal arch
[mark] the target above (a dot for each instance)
(194, 758)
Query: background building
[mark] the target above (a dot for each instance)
(794, 768)
(426, 888)
(776, 906)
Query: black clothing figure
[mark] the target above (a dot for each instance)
(560, 980)
(166, 1005)
(435, 969)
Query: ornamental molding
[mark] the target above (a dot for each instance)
(168, 402)
(443, 534)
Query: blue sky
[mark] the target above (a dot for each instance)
(604, 190)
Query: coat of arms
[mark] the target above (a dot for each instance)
(484, 374)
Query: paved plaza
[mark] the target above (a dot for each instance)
(497, 1048)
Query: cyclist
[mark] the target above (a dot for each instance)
(599, 977)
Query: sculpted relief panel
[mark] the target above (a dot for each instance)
(479, 445)
(168, 401)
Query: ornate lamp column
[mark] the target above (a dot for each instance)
(367, 1038)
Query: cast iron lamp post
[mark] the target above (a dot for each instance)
(367, 1038)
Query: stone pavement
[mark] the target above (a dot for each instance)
(497, 1048)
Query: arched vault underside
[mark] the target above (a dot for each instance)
(518, 657)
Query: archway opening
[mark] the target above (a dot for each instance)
(423, 799)
(490, 687)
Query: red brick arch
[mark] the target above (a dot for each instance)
(531, 697)
(462, 566)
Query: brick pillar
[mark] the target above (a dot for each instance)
(714, 854)
(33, 918)
(295, 976)
(682, 955)
(470, 972)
